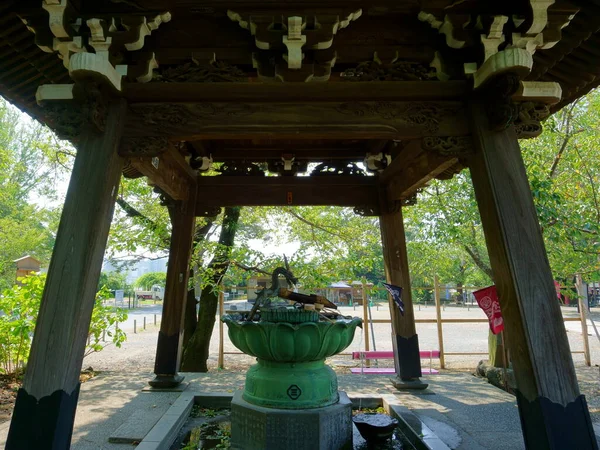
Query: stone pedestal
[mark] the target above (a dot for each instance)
(258, 428)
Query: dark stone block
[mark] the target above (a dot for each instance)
(259, 428)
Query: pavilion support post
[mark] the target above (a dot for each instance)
(405, 340)
(170, 336)
(45, 407)
(554, 415)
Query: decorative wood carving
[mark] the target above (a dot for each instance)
(502, 43)
(316, 66)
(396, 71)
(67, 118)
(194, 72)
(337, 168)
(528, 122)
(305, 116)
(288, 165)
(240, 168)
(411, 200)
(501, 110)
(448, 145)
(367, 211)
(208, 211)
(423, 114)
(292, 46)
(96, 50)
(143, 146)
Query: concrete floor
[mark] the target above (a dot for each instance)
(464, 411)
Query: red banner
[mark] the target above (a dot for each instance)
(487, 299)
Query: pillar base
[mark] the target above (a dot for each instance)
(43, 423)
(408, 357)
(550, 425)
(166, 381)
(410, 384)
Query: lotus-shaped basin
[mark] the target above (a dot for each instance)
(286, 342)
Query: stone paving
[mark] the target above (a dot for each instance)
(465, 412)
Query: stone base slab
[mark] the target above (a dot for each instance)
(258, 428)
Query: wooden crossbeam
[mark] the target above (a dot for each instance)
(304, 92)
(412, 169)
(346, 191)
(168, 171)
(377, 110)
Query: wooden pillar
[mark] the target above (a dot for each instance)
(553, 413)
(170, 336)
(404, 334)
(45, 408)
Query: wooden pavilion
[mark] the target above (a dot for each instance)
(415, 89)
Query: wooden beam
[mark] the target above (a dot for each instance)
(419, 172)
(168, 171)
(296, 92)
(404, 340)
(306, 119)
(403, 158)
(553, 413)
(265, 153)
(169, 347)
(282, 191)
(45, 407)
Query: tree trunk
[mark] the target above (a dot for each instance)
(190, 321)
(196, 350)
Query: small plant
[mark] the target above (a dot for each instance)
(217, 434)
(198, 411)
(378, 410)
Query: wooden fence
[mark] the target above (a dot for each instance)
(439, 321)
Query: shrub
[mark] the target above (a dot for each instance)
(19, 308)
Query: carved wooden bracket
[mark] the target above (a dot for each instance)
(530, 115)
(95, 47)
(367, 211)
(293, 45)
(522, 104)
(68, 108)
(503, 44)
(456, 146)
(208, 211)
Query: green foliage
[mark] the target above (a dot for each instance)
(150, 279)
(30, 164)
(105, 320)
(20, 306)
(112, 280)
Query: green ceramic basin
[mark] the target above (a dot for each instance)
(286, 342)
(291, 372)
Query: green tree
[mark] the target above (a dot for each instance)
(20, 306)
(112, 280)
(150, 279)
(28, 172)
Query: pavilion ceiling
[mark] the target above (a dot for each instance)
(202, 30)
(277, 86)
